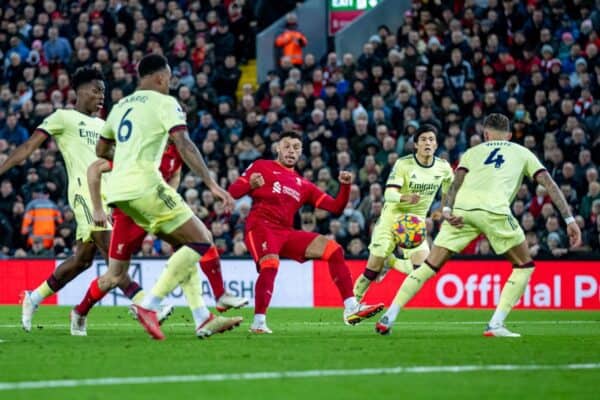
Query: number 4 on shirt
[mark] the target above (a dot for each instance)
(495, 158)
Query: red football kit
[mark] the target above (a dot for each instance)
(269, 227)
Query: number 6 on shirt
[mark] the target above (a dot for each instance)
(125, 123)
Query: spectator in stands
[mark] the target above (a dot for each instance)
(227, 77)
(447, 66)
(13, 132)
(291, 41)
(41, 218)
(57, 49)
(39, 249)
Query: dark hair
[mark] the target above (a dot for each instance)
(497, 122)
(151, 63)
(423, 129)
(291, 134)
(85, 75)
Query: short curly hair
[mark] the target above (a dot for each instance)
(85, 75)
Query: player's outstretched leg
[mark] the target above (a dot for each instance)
(210, 264)
(177, 270)
(64, 273)
(404, 265)
(194, 239)
(329, 250)
(97, 289)
(375, 265)
(412, 284)
(409, 288)
(512, 291)
(268, 267)
(206, 323)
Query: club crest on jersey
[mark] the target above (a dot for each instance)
(298, 181)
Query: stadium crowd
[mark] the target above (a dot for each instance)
(449, 64)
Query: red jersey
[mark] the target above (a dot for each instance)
(284, 192)
(170, 163)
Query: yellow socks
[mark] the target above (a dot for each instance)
(401, 264)
(42, 291)
(511, 293)
(412, 284)
(360, 287)
(178, 269)
(139, 296)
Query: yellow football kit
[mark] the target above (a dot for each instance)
(495, 172)
(76, 135)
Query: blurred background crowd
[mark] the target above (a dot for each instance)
(449, 64)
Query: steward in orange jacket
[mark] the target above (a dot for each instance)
(291, 42)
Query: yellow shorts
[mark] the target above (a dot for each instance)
(81, 204)
(383, 244)
(160, 210)
(502, 231)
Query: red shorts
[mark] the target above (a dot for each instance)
(287, 243)
(126, 236)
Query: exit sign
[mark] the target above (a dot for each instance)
(343, 12)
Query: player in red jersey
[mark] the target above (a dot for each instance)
(277, 192)
(127, 237)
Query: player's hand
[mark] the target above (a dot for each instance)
(224, 195)
(453, 220)
(411, 198)
(256, 180)
(574, 234)
(345, 177)
(100, 218)
(456, 221)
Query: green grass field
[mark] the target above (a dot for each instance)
(533, 366)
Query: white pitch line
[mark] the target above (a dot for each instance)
(398, 323)
(319, 373)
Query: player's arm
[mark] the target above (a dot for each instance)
(543, 178)
(448, 201)
(392, 194)
(251, 179)
(446, 183)
(192, 157)
(94, 178)
(334, 205)
(21, 153)
(105, 148)
(175, 179)
(394, 185)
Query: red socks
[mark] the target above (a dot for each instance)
(265, 284)
(340, 274)
(93, 295)
(210, 264)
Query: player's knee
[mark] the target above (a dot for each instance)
(106, 282)
(528, 264)
(333, 251)
(431, 265)
(82, 263)
(269, 263)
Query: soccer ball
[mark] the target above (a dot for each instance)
(409, 231)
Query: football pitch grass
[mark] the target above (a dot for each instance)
(310, 355)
